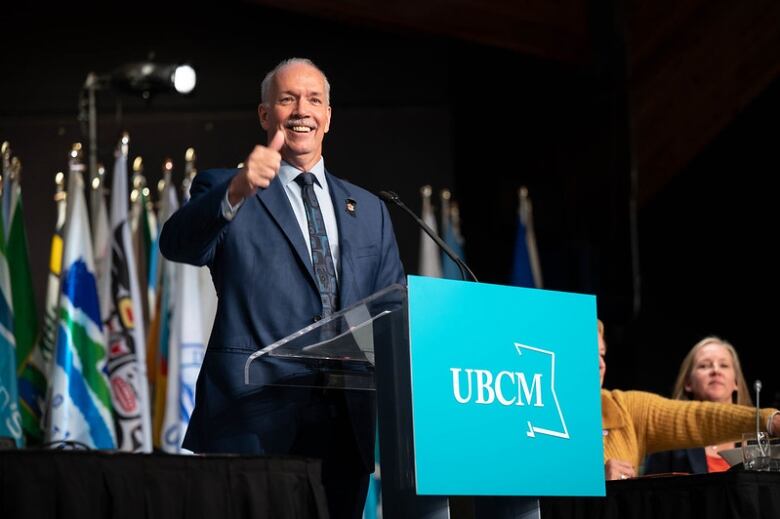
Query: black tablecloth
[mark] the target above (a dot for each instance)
(78, 484)
(732, 495)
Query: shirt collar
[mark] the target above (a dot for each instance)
(287, 172)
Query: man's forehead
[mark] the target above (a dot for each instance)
(300, 87)
(300, 71)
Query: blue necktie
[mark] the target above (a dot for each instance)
(322, 261)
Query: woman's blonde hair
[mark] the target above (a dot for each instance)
(740, 396)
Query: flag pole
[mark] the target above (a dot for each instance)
(4, 178)
(189, 171)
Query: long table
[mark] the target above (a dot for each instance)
(727, 495)
(86, 484)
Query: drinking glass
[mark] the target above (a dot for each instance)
(756, 454)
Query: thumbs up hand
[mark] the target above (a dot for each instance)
(260, 168)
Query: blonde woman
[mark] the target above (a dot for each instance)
(636, 423)
(710, 372)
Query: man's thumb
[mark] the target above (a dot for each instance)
(277, 141)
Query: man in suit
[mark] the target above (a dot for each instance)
(287, 244)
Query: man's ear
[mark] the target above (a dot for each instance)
(262, 113)
(327, 122)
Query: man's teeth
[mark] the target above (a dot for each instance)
(305, 129)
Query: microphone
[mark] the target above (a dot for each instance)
(390, 196)
(757, 386)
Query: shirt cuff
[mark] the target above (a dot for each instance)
(769, 421)
(229, 211)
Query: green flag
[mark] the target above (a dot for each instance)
(30, 366)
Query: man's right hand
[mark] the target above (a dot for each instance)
(260, 168)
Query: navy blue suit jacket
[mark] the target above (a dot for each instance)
(264, 280)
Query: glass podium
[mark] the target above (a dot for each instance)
(366, 348)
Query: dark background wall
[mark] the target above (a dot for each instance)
(412, 107)
(709, 258)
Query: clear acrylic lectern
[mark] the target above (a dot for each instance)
(366, 348)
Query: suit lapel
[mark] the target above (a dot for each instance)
(276, 202)
(348, 227)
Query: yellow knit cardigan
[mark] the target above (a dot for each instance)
(637, 423)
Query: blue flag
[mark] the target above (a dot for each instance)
(450, 218)
(10, 417)
(526, 271)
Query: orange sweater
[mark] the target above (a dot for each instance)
(637, 423)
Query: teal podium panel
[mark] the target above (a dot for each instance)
(505, 390)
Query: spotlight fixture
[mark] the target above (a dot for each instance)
(144, 77)
(148, 77)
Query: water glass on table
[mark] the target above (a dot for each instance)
(757, 451)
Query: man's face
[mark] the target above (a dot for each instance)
(297, 106)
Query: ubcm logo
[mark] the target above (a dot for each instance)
(509, 388)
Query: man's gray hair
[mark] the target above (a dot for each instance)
(265, 86)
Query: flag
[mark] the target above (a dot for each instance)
(48, 336)
(430, 261)
(208, 294)
(191, 319)
(187, 346)
(80, 402)
(526, 271)
(450, 223)
(373, 507)
(32, 369)
(5, 188)
(10, 417)
(150, 236)
(138, 236)
(127, 343)
(169, 203)
(101, 237)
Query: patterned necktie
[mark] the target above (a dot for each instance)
(322, 261)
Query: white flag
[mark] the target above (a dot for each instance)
(101, 234)
(191, 321)
(430, 258)
(187, 347)
(80, 402)
(127, 344)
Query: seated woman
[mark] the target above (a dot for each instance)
(710, 372)
(636, 423)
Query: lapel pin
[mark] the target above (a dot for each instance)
(351, 205)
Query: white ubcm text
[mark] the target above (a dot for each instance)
(506, 387)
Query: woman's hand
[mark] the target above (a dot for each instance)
(618, 469)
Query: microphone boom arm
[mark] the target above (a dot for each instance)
(390, 196)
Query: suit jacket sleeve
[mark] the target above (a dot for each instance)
(192, 233)
(390, 268)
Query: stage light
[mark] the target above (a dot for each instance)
(184, 79)
(143, 78)
(148, 77)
